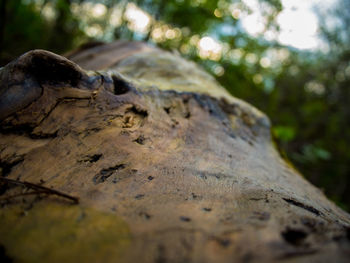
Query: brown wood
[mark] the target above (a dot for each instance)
(168, 167)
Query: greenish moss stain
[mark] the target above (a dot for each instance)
(61, 233)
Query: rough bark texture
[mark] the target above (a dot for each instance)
(168, 167)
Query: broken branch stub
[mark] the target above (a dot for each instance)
(168, 167)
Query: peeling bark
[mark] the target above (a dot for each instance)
(168, 167)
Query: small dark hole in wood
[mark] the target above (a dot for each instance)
(144, 215)
(94, 158)
(224, 242)
(139, 196)
(194, 196)
(120, 86)
(91, 158)
(294, 236)
(140, 140)
(185, 218)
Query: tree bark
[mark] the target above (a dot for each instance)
(167, 166)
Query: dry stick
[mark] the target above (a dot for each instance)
(42, 189)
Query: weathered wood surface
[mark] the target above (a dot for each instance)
(168, 167)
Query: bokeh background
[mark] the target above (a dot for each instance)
(289, 58)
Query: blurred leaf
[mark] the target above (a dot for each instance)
(284, 133)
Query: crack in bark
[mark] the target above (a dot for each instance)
(90, 158)
(301, 205)
(106, 173)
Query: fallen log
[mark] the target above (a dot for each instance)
(148, 159)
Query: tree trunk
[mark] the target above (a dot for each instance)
(167, 166)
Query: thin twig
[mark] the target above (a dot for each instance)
(42, 189)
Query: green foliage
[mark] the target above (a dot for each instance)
(22, 21)
(304, 93)
(23, 27)
(284, 133)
